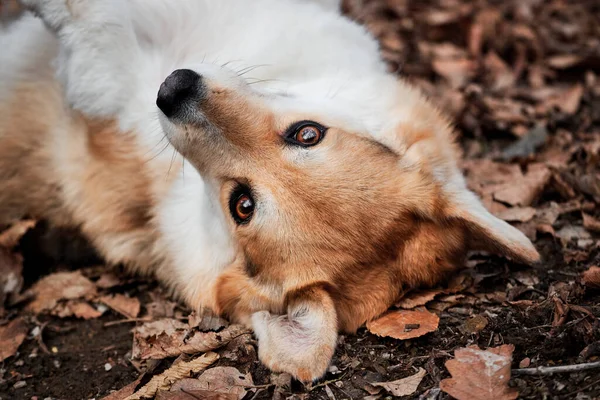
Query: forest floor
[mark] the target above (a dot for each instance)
(520, 78)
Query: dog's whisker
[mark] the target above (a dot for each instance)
(251, 68)
(171, 163)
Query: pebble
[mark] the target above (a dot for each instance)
(107, 367)
(20, 384)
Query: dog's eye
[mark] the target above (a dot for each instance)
(241, 205)
(305, 133)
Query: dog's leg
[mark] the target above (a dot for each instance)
(302, 342)
(98, 48)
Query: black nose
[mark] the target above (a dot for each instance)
(176, 92)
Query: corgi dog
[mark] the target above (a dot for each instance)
(254, 155)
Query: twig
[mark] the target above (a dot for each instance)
(126, 321)
(557, 370)
(327, 382)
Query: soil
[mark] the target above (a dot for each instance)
(86, 359)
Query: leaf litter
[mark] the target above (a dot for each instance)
(520, 80)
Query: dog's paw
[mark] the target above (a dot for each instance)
(299, 347)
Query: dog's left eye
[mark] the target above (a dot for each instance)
(305, 133)
(241, 205)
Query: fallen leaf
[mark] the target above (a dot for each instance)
(570, 100)
(590, 223)
(219, 379)
(49, 290)
(11, 278)
(480, 374)
(79, 309)
(124, 392)
(10, 237)
(175, 373)
(456, 71)
(170, 338)
(126, 306)
(405, 386)
(570, 232)
(591, 277)
(108, 280)
(500, 75)
(194, 395)
(563, 61)
(527, 278)
(517, 214)
(11, 337)
(418, 298)
(524, 191)
(404, 324)
(206, 321)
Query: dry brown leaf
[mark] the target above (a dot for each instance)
(195, 395)
(11, 236)
(418, 298)
(523, 192)
(11, 278)
(206, 322)
(404, 324)
(170, 338)
(563, 61)
(590, 223)
(527, 278)
(405, 386)
(49, 290)
(108, 280)
(456, 71)
(127, 306)
(177, 372)
(124, 392)
(219, 379)
(500, 75)
(591, 277)
(571, 99)
(480, 374)
(517, 214)
(79, 309)
(11, 337)
(570, 232)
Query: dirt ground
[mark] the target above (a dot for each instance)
(521, 80)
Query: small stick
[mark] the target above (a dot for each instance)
(126, 321)
(557, 370)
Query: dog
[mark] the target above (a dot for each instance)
(255, 156)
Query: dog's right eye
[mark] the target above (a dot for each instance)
(305, 133)
(241, 205)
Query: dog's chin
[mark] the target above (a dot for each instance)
(174, 133)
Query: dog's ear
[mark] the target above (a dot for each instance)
(427, 146)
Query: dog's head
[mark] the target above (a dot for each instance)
(314, 197)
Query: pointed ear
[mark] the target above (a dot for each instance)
(426, 142)
(487, 232)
